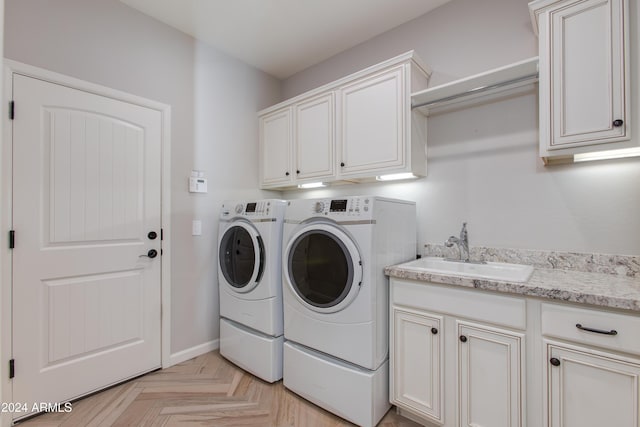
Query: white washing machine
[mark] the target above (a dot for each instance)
(336, 299)
(249, 274)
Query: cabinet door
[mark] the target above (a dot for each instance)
(275, 147)
(416, 362)
(315, 137)
(373, 123)
(587, 78)
(589, 389)
(490, 368)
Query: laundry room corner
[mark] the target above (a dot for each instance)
(213, 99)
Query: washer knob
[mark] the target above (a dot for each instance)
(319, 207)
(239, 208)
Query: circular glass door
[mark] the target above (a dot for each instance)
(241, 256)
(323, 267)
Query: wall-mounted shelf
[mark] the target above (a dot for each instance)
(480, 87)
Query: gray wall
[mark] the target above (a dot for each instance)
(213, 98)
(483, 164)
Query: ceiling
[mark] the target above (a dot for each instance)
(283, 37)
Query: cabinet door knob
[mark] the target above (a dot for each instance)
(297, 171)
(342, 164)
(463, 338)
(617, 123)
(434, 331)
(286, 173)
(554, 361)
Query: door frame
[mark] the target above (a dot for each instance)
(11, 67)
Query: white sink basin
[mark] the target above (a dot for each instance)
(492, 270)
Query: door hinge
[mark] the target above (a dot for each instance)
(12, 239)
(12, 110)
(12, 368)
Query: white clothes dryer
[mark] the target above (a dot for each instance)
(250, 282)
(336, 299)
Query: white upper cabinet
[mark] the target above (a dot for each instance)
(352, 129)
(276, 147)
(373, 126)
(315, 137)
(584, 75)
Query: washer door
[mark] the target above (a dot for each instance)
(241, 256)
(323, 267)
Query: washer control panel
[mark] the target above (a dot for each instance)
(261, 209)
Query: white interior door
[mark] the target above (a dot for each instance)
(86, 193)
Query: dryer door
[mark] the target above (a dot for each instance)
(241, 256)
(323, 267)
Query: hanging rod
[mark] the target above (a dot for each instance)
(480, 89)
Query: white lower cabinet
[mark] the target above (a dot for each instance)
(471, 358)
(457, 366)
(417, 362)
(592, 365)
(490, 376)
(587, 388)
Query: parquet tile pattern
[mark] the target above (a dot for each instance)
(204, 391)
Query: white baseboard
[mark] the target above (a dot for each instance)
(192, 352)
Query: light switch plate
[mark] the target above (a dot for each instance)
(196, 227)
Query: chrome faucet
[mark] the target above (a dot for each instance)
(462, 242)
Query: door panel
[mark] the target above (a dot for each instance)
(94, 180)
(86, 299)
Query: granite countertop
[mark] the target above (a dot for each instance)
(581, 282)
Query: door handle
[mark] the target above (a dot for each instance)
(151, 254)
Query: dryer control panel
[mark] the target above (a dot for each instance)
(339, 207)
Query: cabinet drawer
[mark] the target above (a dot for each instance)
(470, 304)
(561, 321)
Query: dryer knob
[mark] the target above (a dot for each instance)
(319, 207)
(239, 208)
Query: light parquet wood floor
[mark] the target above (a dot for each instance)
(204, 391)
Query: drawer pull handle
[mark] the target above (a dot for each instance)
(597, 331)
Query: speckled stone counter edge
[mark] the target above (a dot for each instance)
(621, 265)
